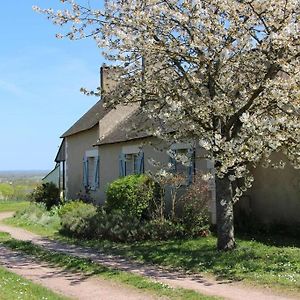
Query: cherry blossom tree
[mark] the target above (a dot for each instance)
(222, 73)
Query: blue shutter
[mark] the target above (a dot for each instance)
(173, 163)
(191, 157)
(85, 172)
(122, 170)
(97, 179)
(140, 163)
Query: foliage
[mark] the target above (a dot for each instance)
(47, 193)
(86, 196)
(116, 226)
(158, 229)
(130, 194)
(194, 207)
(15, 287)
(36, 217)
(222, 74)
(14, 191)
(76, 217)
(6, 190)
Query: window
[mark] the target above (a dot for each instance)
(91, 170)
(184, 168)
(131, 163)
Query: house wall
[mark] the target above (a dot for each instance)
(275, 195)
(109, 161)
(153, 149)
(76, 145)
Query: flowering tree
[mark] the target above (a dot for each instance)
(223, 73)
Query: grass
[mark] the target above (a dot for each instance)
(14, 287)
(86, 266)
(12, 205)
(48, 230)
(252, 261)
(37, 219)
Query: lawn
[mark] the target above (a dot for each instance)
(12, 205)
(270, 261)
(14, 287)
(252, 261)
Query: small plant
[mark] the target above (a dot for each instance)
(76, 219)
(47, 193)
(116, 226)
(194, 208)
(86, 196)
(161, 230)
(37, 215)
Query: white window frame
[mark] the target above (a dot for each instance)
(89, 155)
(132, 151)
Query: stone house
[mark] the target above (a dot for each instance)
(100, 147)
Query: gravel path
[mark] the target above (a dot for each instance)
(225, 289)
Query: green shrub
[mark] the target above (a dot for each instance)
(76, 219)
(131, 194)
(160, 230)
(115, 226)
(194, 215)
(47, 193)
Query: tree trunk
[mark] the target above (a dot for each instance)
(224, 207)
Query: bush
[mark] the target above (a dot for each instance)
(47, 193)
(131, 194)
(115, 226)
(160, 230)
(76, 219)
(194, 208)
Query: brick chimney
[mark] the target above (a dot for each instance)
(109, 76)
(109, 80)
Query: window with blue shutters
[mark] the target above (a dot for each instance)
(91, 170)
(187, 169)
(131, 163)
(85, 172)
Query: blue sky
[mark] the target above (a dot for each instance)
(40, 79)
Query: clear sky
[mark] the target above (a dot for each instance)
(40, 79)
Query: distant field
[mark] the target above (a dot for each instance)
(16, 185)
(12, 205)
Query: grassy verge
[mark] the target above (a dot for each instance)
(37, 219)
(12, 205)
(252, 261)
(85, 266)
(44, 230)
(14, 287)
